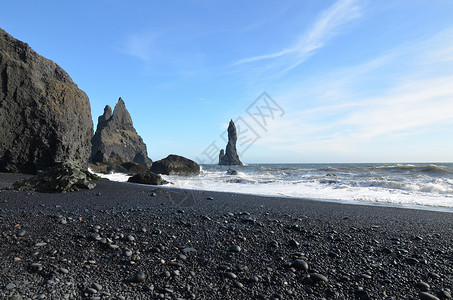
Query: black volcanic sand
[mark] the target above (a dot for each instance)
(125, 241)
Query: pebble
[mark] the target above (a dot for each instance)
(231, 275)
(428, 296)
(237, 284)
(139, 277)
(41, 244)
(235, 249)
(423, 286)
(10, 286)
(316, 277)
(300, 264)
(97, 286)
(293, 243)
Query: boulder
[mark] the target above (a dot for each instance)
(116, 141)
(176, 165)
(147, 178)
(60, 178)
(44, 117)
(230, 156)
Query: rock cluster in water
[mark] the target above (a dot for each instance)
(44, 117)
(116, 141)
(230, 156)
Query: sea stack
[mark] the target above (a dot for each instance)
(116, 141)
(44, 117)
(230, 156)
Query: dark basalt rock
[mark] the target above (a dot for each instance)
(176, 165)
(61, 178)
(147, 178)
(231, 172)
(230, 156)
(44, 117)
(116, 141)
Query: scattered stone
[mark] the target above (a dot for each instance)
(139, 277)
(316, 277)
(427, 296)
(300, 264)
(235, 249)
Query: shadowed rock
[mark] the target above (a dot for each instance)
(44, 117)
(116, 141)
(147, 178)
(61, 178)
(176, 165)
(230, 157)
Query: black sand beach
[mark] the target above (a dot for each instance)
(124, 241)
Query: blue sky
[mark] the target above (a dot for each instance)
(349, 80)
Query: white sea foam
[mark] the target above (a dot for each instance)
(408, 185)
(393, 185)
(120, 177)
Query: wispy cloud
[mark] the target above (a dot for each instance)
(140, 45)
(410, 102)
(322, 30)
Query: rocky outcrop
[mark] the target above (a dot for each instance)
(116, 141)
(147, 178)
(44, 117)
(230, 157)
(61, 178)
(176, 165)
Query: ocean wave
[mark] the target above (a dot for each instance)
(428, 168)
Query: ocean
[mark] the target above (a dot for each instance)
(419, 186)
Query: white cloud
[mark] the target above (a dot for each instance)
(333, 114)
(326, 27)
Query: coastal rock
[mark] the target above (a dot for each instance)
(116, 141)
(230, 156)
(147, 178)
(61, 178)
(45, 118)
(231, 172)
(176, 165)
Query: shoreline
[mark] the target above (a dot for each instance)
(121, 241)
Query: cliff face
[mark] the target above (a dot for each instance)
(116, 141)
(44, 117)
(230, 156)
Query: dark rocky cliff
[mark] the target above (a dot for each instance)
(116, 141)
(44, 117)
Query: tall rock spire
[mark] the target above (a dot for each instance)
(230, 156)
(116, 140)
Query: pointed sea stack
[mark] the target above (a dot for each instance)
(230, 157)
(44, 117)
(116, 141)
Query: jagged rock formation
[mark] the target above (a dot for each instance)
(176, 165)
(44, 117)
(147, 178)
(230, 157)
(116, 141)
(60, 178)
